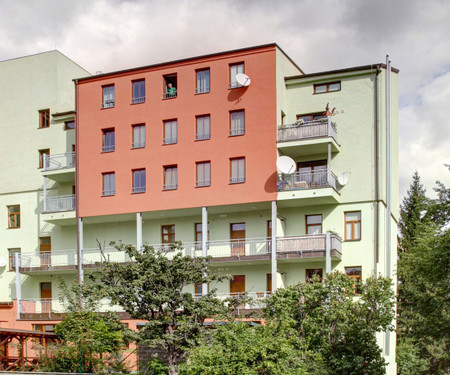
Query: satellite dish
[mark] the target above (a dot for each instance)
(243, 79)
(342, 178)
(286, 164)
(2, 262)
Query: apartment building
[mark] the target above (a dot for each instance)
(276, 174)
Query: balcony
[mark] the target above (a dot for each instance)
(59, 167)
(248, 249)
(320, 185)
(59, 210)
(307, 138)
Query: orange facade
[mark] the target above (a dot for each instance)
(257, 145)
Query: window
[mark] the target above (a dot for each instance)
(108, 96)
(327, 87)
(170, 86)
(355, 274)
(237, 123)
(12, 258)
(43, 154)
(167, 234)
(312, 173)
(44, 118)
(139, 181)
(198, 287)
(352, 226)
(234, 70)
(14, 216)
(237, 170)
(203, 130)
(313, 224)
(199, 233)
(311, 272)
(203, 174)
(170, 132)
(109, 140)
(170, 177)
(138, 94)
(202, 81)
(138, 136)
(109, 184)
(69, 125)
(311, 117)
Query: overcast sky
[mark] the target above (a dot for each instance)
(318, 35)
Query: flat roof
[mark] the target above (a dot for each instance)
(188, 59)
(340, 71)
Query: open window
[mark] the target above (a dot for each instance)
(170, 86)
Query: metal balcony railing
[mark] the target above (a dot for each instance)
(169, 95)
(59, 203)
(108, 103)
(237, 131)
(310, 129)
(202, 90)
(202, 136)
(169, 141)
(138, 144)
(59, 161)
(202, 183)
(140, 99)
(306, 180)
(309, 243)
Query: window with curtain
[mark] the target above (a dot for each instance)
(109, 140)
(138, 136)
(352, 226)
(139, 181)
(203, 174)
(170, 132)
(237, 123)
(202, 81)
(138, 91)
(237, 172)
(203, 130)
(170, 177)
(234, 70)
(108, 96)
(109, 183)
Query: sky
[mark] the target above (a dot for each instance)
(318, 35)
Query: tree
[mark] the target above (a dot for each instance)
(152, 287)
(317, 328)
(423, 319)
(90, 342)
(412, 211)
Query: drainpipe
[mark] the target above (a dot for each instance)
(77, 189)
(18, 285)
(328, 253)
(388, 186)
(45, 190)
(204, 243)
(274, 246)
(376, 180)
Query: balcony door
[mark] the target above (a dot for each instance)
(237, 285)
(46, 297)
(314, 173)
(45, 250)
(237, 237)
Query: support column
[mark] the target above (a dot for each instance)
(204, 242)
(18, 285)
(138, 230)
(328, 253)
(80, 250)
(329, 164)
(45, 191)
(274, 246)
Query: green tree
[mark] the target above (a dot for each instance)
(412, 211)
(423, 305)
(317, 328)
(152, 287)
(90, 342)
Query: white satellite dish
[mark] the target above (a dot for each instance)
(342, 178)
(2, 262)
(243, 79)
(286, 164)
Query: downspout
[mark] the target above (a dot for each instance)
(77, 204)
(377, 191)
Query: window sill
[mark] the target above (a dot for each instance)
(202, 92)
(202, 186)
(325, 92)
(107, 107)
(202, 139)
(13, 227)
(138, 192)
(108, 195)
(107, 152)
(236, 135)
(359, 239)
(237, 182)
(137, 147)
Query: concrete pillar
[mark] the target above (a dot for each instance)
(274, 246)
(204, 242)
(45, 193)
(329, 164)
(328, 252)
(18, 285)
(80, 250)
(138, 230)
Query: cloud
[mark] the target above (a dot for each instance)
(106, 35)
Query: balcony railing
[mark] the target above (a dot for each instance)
(202, 90)
(169, 95)
(306, 180)
(237, 131)
(246, 247)
(60, 203)
(202, 136)
(169, 141)
(108, 103)
(310, 129)
(138, 144)
(140, 99)
(59, 161)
